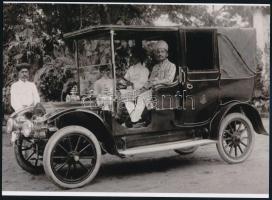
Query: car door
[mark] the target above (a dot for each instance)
(200, 75)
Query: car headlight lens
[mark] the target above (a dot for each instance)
(27, 128)
(10, 125)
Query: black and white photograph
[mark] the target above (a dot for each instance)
(135, 99)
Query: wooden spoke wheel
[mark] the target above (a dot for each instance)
(236, 138)
(72, 157)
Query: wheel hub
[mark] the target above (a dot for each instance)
(236, 138)
(73, 156)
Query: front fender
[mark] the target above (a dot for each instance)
(87, 119)
(251, 113)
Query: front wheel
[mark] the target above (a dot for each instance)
(27, 154)
(72, 157)
(236, 138)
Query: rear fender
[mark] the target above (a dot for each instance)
(92, 122)
(251, 113)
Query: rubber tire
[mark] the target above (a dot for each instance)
(24, 164)
(185, 151)
(219, 144)
(51, 143)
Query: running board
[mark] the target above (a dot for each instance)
(166, 146)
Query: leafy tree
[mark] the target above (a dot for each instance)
(33, 32)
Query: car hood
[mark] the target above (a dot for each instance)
(52, 108)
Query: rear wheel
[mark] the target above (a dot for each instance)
(72, 157)
(185, 151)
(236, 138)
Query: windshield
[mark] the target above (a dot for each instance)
(95, 66)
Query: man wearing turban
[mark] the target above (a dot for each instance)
(162, 73)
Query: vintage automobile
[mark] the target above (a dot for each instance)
(208, 102)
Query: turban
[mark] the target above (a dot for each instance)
(161, 45)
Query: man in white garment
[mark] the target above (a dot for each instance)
(23, 92)
(162, 73)
(137, 75)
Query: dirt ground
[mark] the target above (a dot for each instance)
(165, 172)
